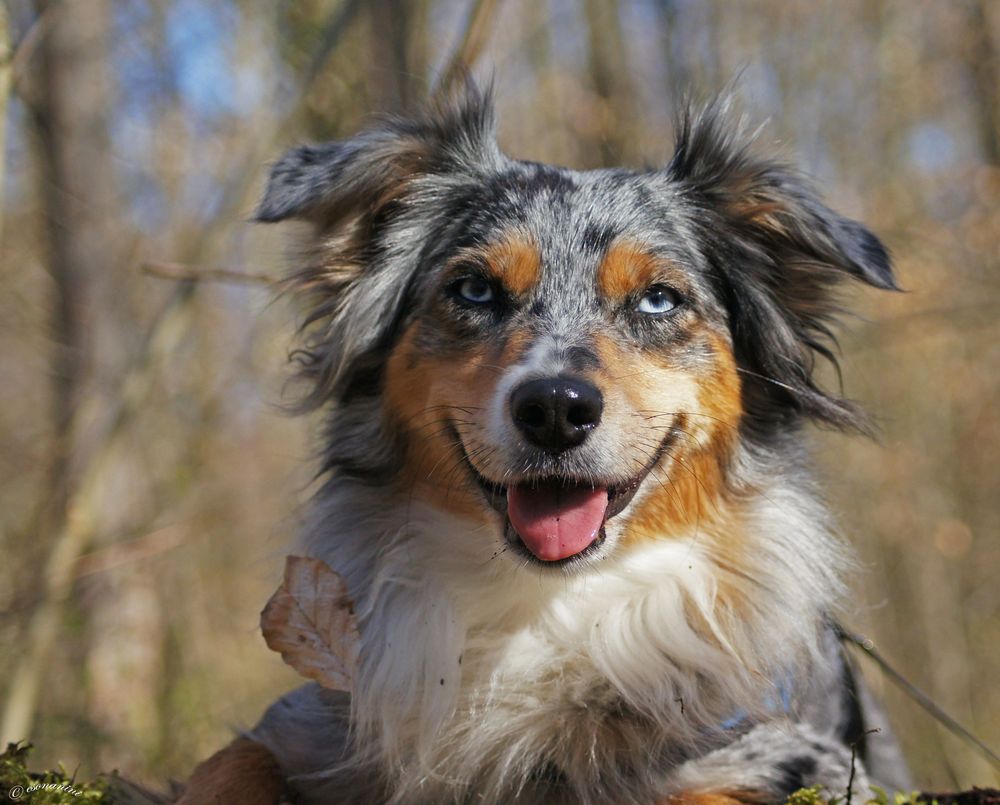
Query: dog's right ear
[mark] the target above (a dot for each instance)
(323, 183)
(331, 182)
(377, 201)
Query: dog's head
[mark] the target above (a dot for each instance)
(571, 359)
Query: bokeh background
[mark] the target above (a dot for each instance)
(149, 484)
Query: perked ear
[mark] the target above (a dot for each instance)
(376, 202)
(778, 254)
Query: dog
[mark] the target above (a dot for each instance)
(565, 475)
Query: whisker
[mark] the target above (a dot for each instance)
(769, 380)
(491, 366)
(659, 414)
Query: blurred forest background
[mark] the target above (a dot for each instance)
(148, 483)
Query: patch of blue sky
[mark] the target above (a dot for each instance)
(190, 60)
(201, 39)
(931, 147)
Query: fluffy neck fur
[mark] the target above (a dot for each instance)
(482, 675)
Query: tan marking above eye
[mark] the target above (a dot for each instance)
(629, 267)
(517, 263)
(624, 269)
(514, 262)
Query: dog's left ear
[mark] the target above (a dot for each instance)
(778, 253)
(768, 201)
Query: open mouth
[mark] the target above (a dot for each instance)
(557, 520)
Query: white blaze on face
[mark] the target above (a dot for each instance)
(544, 359)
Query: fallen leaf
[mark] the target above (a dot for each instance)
(310, 620)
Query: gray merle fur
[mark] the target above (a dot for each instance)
(762, 258)
(752, 230)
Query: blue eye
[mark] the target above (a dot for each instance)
(476, 290)
(658, 300)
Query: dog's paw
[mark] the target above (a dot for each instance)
(774, 760)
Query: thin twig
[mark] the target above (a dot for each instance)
(911, 690)
(180, 271)
(123, 553)
(854, 761)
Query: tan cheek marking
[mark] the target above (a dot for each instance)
(695, 491)
(415, 389)
(720, 394)
(516, 263)
(625, 269)
(621, 374)
(689, 498)
(648, 384)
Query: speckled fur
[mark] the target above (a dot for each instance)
(689, 653)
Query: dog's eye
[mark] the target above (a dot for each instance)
(475, 290)
(657, 300)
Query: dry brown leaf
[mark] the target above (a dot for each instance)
(310, 620)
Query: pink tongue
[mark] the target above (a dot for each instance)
(556, 521)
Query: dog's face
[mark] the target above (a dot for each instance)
(567, 353)
(571, 360)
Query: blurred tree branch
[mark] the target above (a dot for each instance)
(333, 32)
(391, 22)
(6, 80)
(179, 271)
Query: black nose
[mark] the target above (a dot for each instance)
(556, 413)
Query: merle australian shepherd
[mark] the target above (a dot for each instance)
(566, 479)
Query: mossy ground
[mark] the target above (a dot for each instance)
(815, 796)
(17, 784)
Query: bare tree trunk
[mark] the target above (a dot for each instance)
(390, 52)
(609, 78)
(985, 68)
(74, 179)
(678, 79)
(67, 258)
(6, 80)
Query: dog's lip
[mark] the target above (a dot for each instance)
(619, 494)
